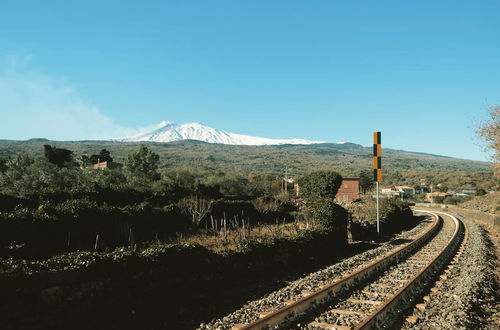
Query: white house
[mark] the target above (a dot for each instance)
(400, 191)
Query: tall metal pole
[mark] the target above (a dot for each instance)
(377, 169)
(378, 214)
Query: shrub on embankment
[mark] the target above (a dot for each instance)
(331, 217)
(147, 289)
(319, 189)
(83, 224)
(395, 215)
(45, 228)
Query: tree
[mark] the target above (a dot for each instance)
(3, 165)
(58, 156)
(143, 163)
(196, 206)
(103, 156)
(83, 161)
(330, 216)
(442, 188)
(489, 131)
(319, 189)
(365, 180)
(481, 192)
(320, 184)
(16, 167)
(28, 177)
(266, 205)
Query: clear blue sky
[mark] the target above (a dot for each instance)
(422, 72)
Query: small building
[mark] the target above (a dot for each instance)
(100, 165)
(106, 164)
(349, 190)
(430, 196)
(399, 191)
(468, 192)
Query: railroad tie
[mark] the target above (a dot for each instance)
(361, 301)
(420, 307)
(329, 326)
(347, 312)
(377, 293)
(383, 285)
(412, 319)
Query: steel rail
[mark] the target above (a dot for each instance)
(273, 319)
(378, 315)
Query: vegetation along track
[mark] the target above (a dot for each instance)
(376, 295)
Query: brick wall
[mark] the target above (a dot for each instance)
(349, 190)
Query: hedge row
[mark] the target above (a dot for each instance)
(395, 215)
(55, 227)
(148, 289)
(80, 224)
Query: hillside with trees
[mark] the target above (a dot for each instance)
(75, 228)
(400, 167)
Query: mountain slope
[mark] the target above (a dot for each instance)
(169, 132)
(399, 167)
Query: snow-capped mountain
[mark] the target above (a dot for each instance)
(168, 132)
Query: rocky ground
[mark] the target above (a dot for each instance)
(312, 282)
(488, 203)
(469, 298)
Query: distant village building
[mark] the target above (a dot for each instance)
(398, 191)
(100, 165)
(468, 192)
(430, 196)
(110, 165)
(349, 190)
(296, 189)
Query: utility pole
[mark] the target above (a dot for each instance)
(378, 212)
(377, 169)
(432, 196)
(286, 180)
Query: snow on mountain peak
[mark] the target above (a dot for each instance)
(164, 123)
(167, 132)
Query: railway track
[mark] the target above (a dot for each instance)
(375, 295)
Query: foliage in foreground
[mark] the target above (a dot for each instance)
(49, 208)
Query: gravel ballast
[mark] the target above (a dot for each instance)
(402, 271)
(312, 282)
(469, 297)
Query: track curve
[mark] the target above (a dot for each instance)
(381, 305)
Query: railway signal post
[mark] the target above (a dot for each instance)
(377, 168)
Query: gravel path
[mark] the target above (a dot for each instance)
(469, 297)
(314, 281)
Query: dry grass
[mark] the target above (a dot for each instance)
(488, 203)
(231, 235)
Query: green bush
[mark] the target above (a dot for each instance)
(395, 215)
(55, 227)
(320, 184)
(456, 199)
(330, 216)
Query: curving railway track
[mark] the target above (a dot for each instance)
(376, 295)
